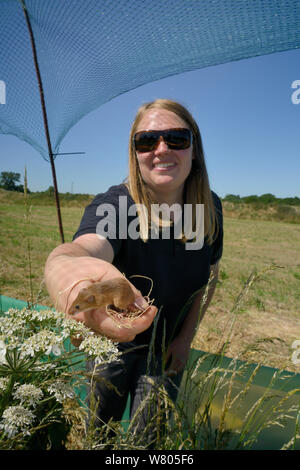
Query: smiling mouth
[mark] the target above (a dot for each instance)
(164, 165)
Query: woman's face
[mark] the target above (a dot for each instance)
(164, 170)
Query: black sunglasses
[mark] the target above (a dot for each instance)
(176, 139)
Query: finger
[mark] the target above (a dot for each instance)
(136, 292)
(148, 316)
(136, 326)
(102, 324)
(140, 302)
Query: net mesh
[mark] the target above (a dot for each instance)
(91, 51)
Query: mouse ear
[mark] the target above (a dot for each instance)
(91, 299)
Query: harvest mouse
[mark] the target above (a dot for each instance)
(116, 292)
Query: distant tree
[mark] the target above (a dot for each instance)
(292, 201)
(232, 198)
(50, 190)
(20, 188)
(8, 180)
(252, 198)
(267, 198)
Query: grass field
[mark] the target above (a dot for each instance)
(268, 319)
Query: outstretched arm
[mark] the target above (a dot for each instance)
(73, 266)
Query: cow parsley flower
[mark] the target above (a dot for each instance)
(43, 341)
(28, 394)
(11, 325)
(2, 352)
(54, 349)
(61, 390)
(45, 366)
(42, 316)
(102, 348)
(71, 327)
(16, 419)
(3, 383)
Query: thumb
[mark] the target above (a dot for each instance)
(140, 302)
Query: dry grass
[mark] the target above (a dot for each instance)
(272, 308)
(273, 212)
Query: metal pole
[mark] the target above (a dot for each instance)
(45, 119)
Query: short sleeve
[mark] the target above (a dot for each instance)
(101, 216)
(217, 246)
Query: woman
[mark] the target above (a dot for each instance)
(166, 166)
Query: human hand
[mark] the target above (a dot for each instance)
(178, 352)
(98, 321)
(67, 275)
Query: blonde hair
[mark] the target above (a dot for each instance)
(196, 190)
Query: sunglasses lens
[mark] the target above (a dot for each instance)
(176, 139)
(145, 141)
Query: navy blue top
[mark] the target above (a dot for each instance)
(177, 273)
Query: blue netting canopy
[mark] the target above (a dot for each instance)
(90, 51)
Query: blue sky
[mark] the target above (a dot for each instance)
(249, 125)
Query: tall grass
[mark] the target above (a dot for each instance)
(221, 405)
(27, 217)
(213, 412)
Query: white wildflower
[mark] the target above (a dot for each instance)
(42, 316)
(100, 347)
(61, 390)
(43, 341)
(11, 325)
(3, 383)
(16, 419)
(28, 394)
(2, 352)
(74, 328)
(44, 366)
(11, 341)
(56, 350)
